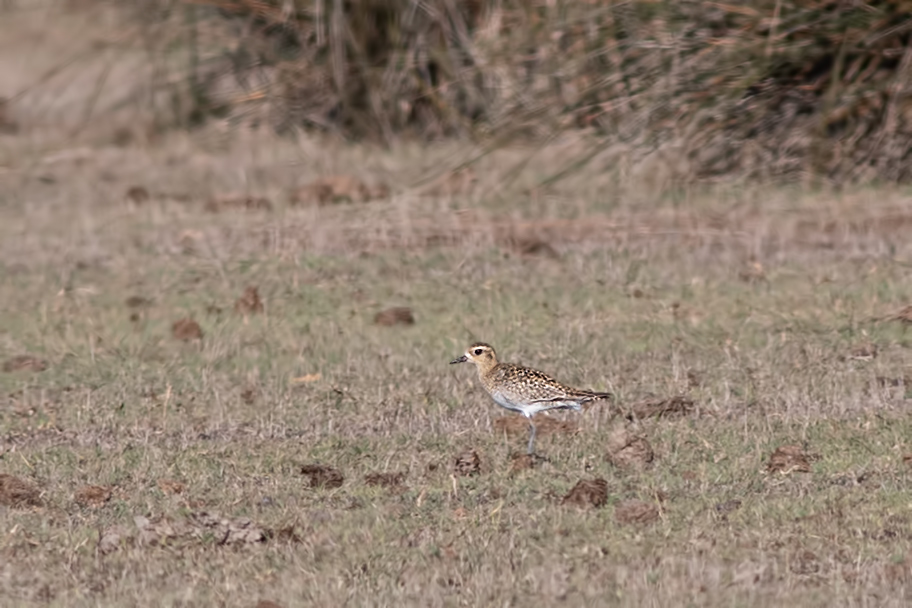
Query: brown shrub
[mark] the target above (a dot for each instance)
(803, 112)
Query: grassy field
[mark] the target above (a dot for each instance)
(303, 453)
(165, 440)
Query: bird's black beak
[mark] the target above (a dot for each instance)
(461, 359)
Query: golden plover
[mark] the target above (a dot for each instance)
(522, 389)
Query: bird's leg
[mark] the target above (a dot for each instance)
(531, 437)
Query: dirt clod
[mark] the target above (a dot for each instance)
(8, 126)
(17, 492)
(659, 408)
(224, 202)
(459, 182)
(199, 527)
(888, 382)
(287, 534)
(321, 476)
(137, 302)
(521, 462)
(336, 189)
(728, 506)
(467, 463)
(524, 462)
(137, 195)
(626, 449)
(903, 315)
(864, 351)
(186, 329)
(587, 493)
(397, 315)
(249, 303)
(531, 246)
(635, 511)
(753, 272)
(113, 538)
(25, 363)
(805, 562)
(386, 480)
(92, 496)
(249, 395)
(189, 241)
(790, 458)
(170, 486)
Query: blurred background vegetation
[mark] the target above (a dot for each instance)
(770, 89)
(808, 90)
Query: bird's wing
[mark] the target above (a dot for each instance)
(572, 395)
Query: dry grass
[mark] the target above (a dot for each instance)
(305, 437)
(757, 452)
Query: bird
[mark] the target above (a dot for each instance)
(523, 389)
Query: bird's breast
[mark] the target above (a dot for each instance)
(504, 400)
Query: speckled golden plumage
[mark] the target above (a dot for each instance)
(523, 389)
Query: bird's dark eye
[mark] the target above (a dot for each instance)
(478, 351)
